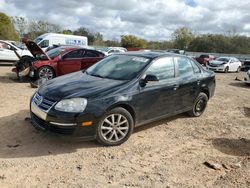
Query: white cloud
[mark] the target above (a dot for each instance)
(149, 19)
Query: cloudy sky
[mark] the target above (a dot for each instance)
(148, 19)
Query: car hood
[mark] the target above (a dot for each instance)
(78, 84)
(217, 62)
(34, 49)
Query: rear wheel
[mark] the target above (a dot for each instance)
(115, 127)
(199, 105)
(45, 72)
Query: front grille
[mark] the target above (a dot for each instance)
(213, 65)
(43, 103)
(39, 123)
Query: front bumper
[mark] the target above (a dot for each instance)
(63, 124)
(216, 69)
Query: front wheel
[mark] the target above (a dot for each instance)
(199, 105)
(226, 69)
(45, 72)
(115, 127)
(238, 70)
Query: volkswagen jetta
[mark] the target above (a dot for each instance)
(120, 92)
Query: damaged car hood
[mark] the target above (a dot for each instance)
(34, 49)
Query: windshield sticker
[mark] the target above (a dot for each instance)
(140, 59)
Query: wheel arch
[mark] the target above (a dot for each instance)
(206, 91)
(127, 107)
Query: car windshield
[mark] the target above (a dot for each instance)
(55, 52)
(224, 59)
(37, 40)
(119, 67)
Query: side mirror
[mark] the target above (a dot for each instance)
(148, 79)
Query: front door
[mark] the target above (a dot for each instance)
(7, 52)
(70, 62)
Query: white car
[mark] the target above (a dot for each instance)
(225, 64)
(7, 51)
(113, 50)
(247, 78)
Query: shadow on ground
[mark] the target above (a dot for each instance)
(239, 84)
(20, 139)
(235, 147)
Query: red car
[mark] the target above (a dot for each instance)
(204, 59)
(61, 60)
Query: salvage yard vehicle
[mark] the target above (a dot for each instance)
(247, 78)
(8, 51)
(246, 64)
(225, 64)
(112, 50)
(121, 92)
(49, 39)
(204, 59)
(61, 60)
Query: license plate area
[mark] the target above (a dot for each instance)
(38, 112)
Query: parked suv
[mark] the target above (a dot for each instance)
(121, 92)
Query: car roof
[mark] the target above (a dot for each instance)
(151, 54)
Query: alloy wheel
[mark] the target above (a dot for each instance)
(46, 73)
(114, 128)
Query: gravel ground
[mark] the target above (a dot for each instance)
(167, 153)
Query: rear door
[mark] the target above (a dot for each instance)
(159, 98)
(89, 58)
(188, 83)
(70, 62)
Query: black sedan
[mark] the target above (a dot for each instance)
(120, 92)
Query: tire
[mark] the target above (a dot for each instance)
(238, 70)
(201, 100)
(226, 70)
(109, 131)
(45, 72)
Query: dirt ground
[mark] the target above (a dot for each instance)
(167, 153)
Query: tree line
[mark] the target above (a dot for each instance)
(12, 28)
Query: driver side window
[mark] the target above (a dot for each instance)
(162, 68)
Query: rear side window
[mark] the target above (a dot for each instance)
(90, 54)
(74, 54)
(195, 67)
(162, 68)
(184, 66)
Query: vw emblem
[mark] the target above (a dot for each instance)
(40, 100)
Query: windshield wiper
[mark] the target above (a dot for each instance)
(97, 75)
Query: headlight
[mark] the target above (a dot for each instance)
(72, 105)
